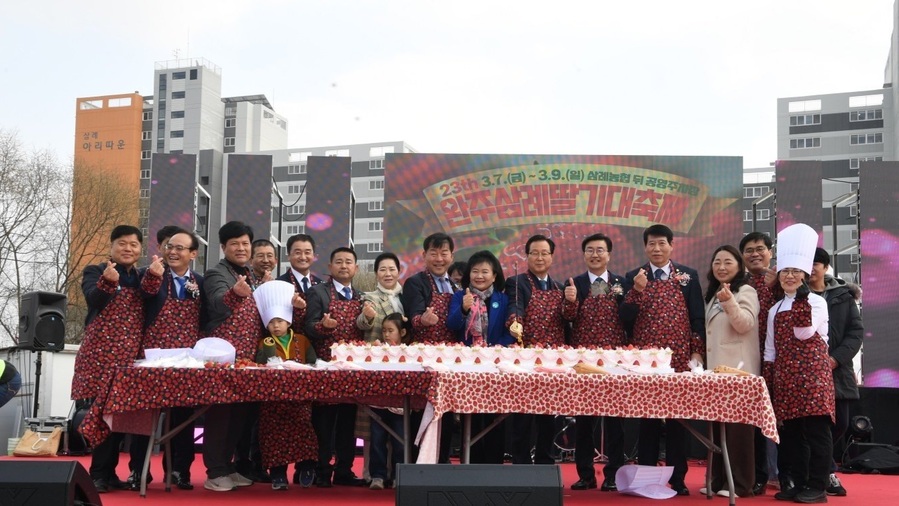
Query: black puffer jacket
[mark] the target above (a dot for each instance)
(844, 336)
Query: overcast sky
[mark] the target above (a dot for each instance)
(651, 77)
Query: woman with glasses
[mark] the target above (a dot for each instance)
(797, 369)
(731, 326)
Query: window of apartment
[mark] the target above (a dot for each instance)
(119, 102)
(809, 142)
(148, 115)
(298, 156)
(231, 111)
(805, 119)
(145, 173)
(856, 139)
(375, 226)
(295, 189)
(763, 214)
(855, 162)
(866, 115)
(178, 75)
(193, 74)
(296, 209)
(376, 185)
(146, 135)
(143, 213)
(376, 205)
(337, 152)
(177, 94)
(145, 194)
(805, 105)
(230, 122)
(379, 151)
(375, 247)
(145, 155)
(160, 144)
(853, 210)
(296, 168)
(747, 215)
(176, 134)
(90, 104)
(754, 192)
(229, 142)
(854, 258)
(866, 100)
(295, 229)
(853, 234)
(177, 114)
(376, 164)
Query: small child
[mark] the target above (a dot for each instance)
(393, 329)
(273, 298)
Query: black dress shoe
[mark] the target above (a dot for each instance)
(759, 488)
(680, 488)
(608, 485)
(323, 481)
(133, 482)
(115, 483)
(349, 481)
(811, 496)
(787, 494)
(583, 484)
(102, 485)
(182, 480)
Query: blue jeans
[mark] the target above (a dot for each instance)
(9, 389)
(380, 438)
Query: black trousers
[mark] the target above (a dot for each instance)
(222, 429)
(182, 444)
(105, 456)
(491, 448)
(335, 426)
(521, 426)
(806, 447)
(585, 446)
(247, 455)
(760, 448)
(676, 441)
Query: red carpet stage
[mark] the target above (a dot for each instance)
(867, 490)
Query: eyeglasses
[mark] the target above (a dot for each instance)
(177, 247)
(540, 254)
(595, 251)
(792, 272)
(758, 249)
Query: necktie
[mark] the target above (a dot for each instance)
(659, 274)
(347, 293)
(305, 284)
(599, 287)
(542, 283)
(179, 286)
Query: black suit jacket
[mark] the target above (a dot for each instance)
(518, 289)
(417, 293)
(315, 279)
(153, 302)
(318, 299)
(692, 296)
(96, 298)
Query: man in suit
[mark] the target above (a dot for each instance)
(172, 319)
(263, 260)
(667, 312)
(538, 312)
(599, 295)
(234, 317)
(331, 317)
(301, 254)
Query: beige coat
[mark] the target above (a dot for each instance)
(383, 307)
(732, 331)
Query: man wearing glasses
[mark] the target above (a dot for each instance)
(756, 250)
(538, 312)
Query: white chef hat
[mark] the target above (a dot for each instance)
(796, 247)
(274, 300)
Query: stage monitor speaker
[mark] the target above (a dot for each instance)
(478, 485)
(46, 482)
(42, 321)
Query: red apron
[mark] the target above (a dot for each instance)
(803, 381)
(345, 312)
(439, 332)
(543, 323)
(597, 322)
(664, 322)
(178, 322)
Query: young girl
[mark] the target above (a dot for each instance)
(393, 328)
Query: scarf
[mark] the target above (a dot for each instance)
(477, 315)
(393, 296)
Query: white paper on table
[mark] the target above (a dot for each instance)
(427, 441)
(645, 481)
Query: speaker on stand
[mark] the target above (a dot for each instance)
(42, 327)
(45, 483)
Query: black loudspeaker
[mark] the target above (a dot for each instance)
(45, 483)
(42, 321)
(478, 485)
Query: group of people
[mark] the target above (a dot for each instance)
(750, 317)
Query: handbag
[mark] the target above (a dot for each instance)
(38, 444)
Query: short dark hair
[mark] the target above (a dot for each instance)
(456, 266)
(538, 238)
(756, 236)
(597, 237)
(167, 232)
(438, 240)
(481, 257)
(343, 249)
(822, 257)
(300, 237)
(233, 230)
(658, 230)
(123, 230)
(259, 243)
(739, 280)
(194, 241)
(386, 256)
